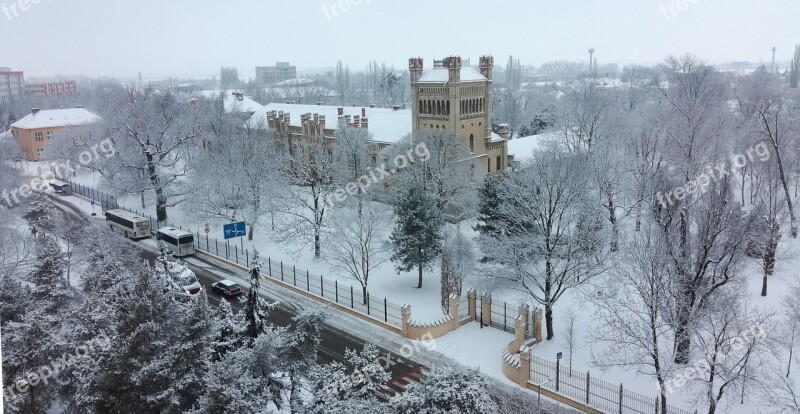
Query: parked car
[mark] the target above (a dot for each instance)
(226, 288)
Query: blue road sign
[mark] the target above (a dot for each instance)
(233, 230)
(559, 355)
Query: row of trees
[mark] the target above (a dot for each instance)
(649, 206)
(152, 349)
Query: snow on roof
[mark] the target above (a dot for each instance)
(49, 118)
(496, 137)
(296, 81)
(385, 124)
(232, 103)
(523, 148)
(441, 75)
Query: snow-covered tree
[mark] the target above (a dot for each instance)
(360, 377)
(417, 234)
(762, 102)
(255, 308)
(235, 175)
(562, 249)
(360, 246)
(302, 199)
(446, 390)
(634, 332)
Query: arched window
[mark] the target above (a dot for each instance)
(420, 108)
(438, 107)
(447, 108)
(471, 143)
(480, 107)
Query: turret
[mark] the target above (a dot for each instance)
(486, 66)
(415, 68)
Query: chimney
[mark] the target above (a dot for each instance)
(239, 96)
(79, 106)
(288, 102)
(340, 111)
(504, 131)
(395, 107)
(371, 105)
(357, 121)
(363, 112)
(319, 103)
(364, 123)
(35, 111)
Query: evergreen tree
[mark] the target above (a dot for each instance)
(228, 330)
(417, 235)
(446, 390)
(299, 352)
(255, 308)
(359, 379)
(138, 376)
(193, 351)
(488, 212)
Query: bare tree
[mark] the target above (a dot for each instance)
(570, 333)
(358, 247)
(732, 341)
(553, 243)
(303, 199)
(635, 331)
(761, 98)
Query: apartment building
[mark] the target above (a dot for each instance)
(12, 84)
(282, 71)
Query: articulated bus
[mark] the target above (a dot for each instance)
(130, 224)
(180, 242)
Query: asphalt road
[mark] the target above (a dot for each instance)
(334, 342)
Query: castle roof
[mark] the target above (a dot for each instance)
(385, 124)
(441, 75)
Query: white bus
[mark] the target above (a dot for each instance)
(132, 225)
(180, 242)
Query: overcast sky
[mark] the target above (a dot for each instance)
(193, 38)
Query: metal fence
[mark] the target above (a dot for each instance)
(345, 295)
(106, 201)
(463, 308)
(504, 316)
(593, 392)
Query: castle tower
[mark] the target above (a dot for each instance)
(456, 98)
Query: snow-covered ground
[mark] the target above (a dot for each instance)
(476, 347)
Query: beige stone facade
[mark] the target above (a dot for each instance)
(455, 97)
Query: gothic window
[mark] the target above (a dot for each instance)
(447, 109)
(471, 143)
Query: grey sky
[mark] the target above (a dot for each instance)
(193, 38)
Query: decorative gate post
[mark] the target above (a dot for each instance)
(486, 309)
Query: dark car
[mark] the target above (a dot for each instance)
(226, 288)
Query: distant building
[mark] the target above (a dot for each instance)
(51, 88)
(282, 71)
(450, 97)
(35, 130)
(12, 84)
